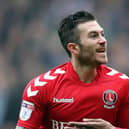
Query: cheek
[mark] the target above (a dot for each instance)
(87, 56)
(88, 52)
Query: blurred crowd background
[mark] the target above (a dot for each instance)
(29, 43)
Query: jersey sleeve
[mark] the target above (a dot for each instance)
(32, 112)
(123, 116)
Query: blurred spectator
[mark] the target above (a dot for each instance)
(7, 80)
(119, 52)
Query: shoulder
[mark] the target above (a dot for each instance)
(111, 72)
(49, 76)
(115, 79)
(114, 76)
(44, 81)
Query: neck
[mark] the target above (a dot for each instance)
(86, 73)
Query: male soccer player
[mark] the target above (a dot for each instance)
(82, 93)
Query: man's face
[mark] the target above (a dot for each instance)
(93, 45)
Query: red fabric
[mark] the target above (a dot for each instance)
(59, 96)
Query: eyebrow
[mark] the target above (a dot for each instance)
(102, 31)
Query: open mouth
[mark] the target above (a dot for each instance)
(101, 50)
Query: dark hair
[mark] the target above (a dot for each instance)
(68, 28)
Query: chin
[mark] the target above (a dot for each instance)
(104, 62)
(99, 62)
(102, 59)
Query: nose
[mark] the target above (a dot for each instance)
(102, 40)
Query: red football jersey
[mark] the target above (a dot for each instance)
(58, 96)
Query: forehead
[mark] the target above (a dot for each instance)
(90, 26)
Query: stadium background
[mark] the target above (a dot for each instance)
(29, 43)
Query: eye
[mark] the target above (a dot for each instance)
(103, 34)
(93, 35)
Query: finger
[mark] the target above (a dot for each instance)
(93, 120)
(79, 124)
(78, 128)
(67, 127)
(70, 127)
(88, 124)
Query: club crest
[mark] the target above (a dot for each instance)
(109, 98)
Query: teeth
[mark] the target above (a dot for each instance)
(101, 50)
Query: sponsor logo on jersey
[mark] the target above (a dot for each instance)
(26, 110)
(109, 98)
(63, 100)
(58, 124)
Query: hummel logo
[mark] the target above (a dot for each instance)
(63, 100)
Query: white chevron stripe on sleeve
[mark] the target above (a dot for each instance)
(59, 71)
(113, 72)
(123, 76)
(48, 76)
(30, 92)
(39, 83)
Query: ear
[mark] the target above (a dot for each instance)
(73, 48)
